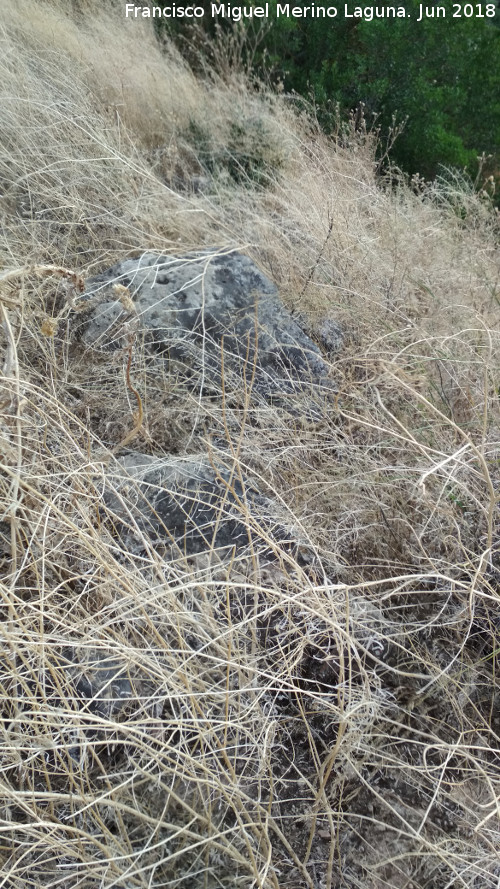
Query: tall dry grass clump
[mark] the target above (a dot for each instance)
(320, 721)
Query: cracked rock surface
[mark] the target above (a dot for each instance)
(214, 315)
(187, 503)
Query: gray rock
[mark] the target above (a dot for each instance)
(104, 687)
(100, 681)
(330, 335)
(188, 505)
(193, 308)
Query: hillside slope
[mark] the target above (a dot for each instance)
(326, 717)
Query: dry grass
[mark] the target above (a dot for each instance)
(187, 723)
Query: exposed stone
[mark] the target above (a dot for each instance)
(189, 505)
(330, 335)
(206, 311)
(100, 681)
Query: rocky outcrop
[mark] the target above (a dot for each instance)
(215, 317)
(216, 321)
(190, 505)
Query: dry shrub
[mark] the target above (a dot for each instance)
(320, 721)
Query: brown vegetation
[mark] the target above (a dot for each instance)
(328, 725)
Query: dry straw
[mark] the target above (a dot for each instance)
(328, 719)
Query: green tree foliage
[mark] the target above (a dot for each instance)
(442, 74)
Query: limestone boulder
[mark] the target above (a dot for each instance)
(190, 505)
(209, 314)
